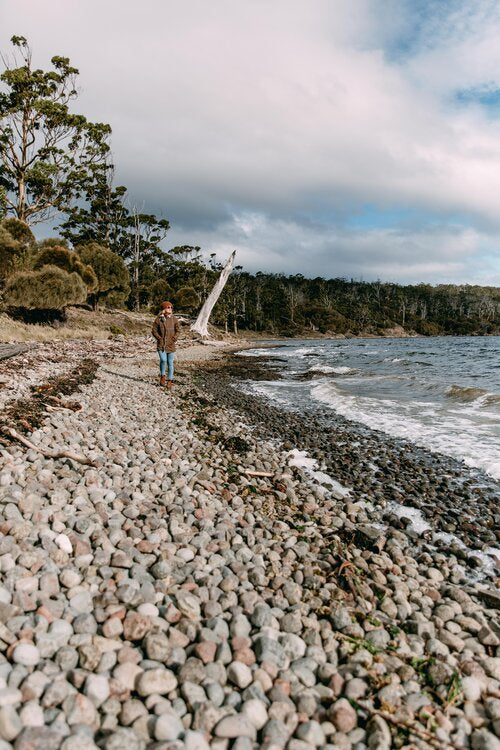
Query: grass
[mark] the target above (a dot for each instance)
(80, 324)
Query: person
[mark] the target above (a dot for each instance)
(166, 329)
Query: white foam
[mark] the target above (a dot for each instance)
(417, 518)
(327, 369)
(490, 557)
(449, 433)
(303, 460)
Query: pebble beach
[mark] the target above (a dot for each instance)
(219, 578)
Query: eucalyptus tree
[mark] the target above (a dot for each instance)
(47, 154)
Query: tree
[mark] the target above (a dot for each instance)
(111, 272)
(100, 217)
(47, 154)
(201, 323)
(148, 231)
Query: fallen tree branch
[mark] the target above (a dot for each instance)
(251, 473)
(49, 454)
(409, 725)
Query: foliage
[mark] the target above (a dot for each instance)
(186, 299)
(53, 242)
(16, 242)
(112, 275)
(54, 255)
(159, 292)
(48, 288)
(48, 155)
(20, 231)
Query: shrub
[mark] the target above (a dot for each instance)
(53, 242)
(16, 243)
(57, 255)
(116, 330)
(48, 288)
(187, 299)
(110, 270)
(10, 253)
(159, 292)
(19, 230)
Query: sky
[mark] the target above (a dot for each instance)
(341, 138)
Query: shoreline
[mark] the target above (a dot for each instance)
(403, 476)
(214, 595)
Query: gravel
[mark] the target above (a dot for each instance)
(192, 590)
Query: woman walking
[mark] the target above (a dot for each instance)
(166, 330)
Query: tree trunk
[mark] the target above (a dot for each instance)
(201, 324)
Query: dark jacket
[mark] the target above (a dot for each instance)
(166, 332)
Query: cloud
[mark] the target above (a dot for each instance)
(441, 253)
(297, 113)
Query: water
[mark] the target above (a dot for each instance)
(441, 393)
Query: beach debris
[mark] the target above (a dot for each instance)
(48, 453)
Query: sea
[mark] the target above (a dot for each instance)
(441, 393)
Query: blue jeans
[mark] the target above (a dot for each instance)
(167, 360)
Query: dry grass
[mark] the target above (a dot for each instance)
(80, 324)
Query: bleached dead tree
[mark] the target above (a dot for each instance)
(201, 324)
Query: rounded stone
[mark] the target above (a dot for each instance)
(26, 654)
(235, 726)
(239, 674)
(168, 727)
(156, 681)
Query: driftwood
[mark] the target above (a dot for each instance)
(251, 473)
(409, 725)
(49, 454)
(201, 324)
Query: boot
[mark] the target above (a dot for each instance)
(170, 384)
(163, 380)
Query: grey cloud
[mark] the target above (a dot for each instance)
(287, 111)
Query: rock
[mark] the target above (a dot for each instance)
(135, 626)
(235, 726)
(472, 688)
(79, 742)
(189, 605)
(195, 741)
(160, 681)
(42, 738)
(255, 710)
(239, 674)
(80, 710)
(343, 716)
(124, 739)
(378, 734)
(64, 543)
(484, 740)
(26, 654)
(312, 733)
(168, 727)
(10, 723)
(157, 647)
(97, 688)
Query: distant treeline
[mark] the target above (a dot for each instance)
(291, 304)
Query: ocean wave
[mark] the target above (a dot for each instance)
(451, 434)
(465, 393)
(327, 370)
